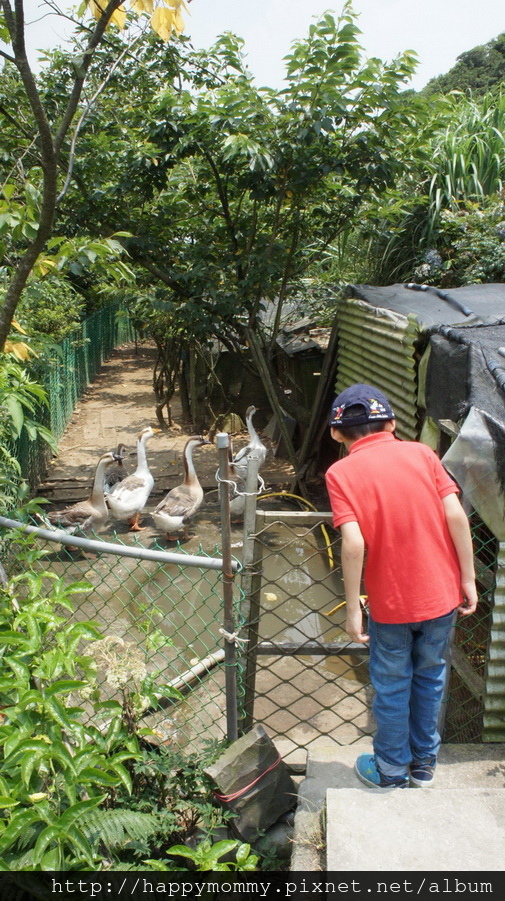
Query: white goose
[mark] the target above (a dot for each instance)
(128, 498)
(240, 461)
(88, 515)
(176, 510)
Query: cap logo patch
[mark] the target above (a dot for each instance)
(377, 410)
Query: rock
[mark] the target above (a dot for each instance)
(253, 781)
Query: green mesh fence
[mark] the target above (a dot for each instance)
(166, 614)
(65, 376)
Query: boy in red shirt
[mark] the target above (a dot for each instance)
(403, 525)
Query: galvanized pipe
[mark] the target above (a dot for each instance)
(120, 550)
(222, 441)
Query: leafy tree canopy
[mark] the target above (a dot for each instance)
(228, 190)
(32, 177)
(476, 71)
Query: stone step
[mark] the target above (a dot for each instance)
(330, 767)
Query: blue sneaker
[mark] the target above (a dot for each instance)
(422, 774)
(368, 772)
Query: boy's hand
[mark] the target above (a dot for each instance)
(470, 598)
(354, 627)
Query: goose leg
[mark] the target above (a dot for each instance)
(134, 522)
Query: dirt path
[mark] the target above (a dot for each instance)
(118, 404)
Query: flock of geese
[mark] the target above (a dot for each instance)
(121, 495)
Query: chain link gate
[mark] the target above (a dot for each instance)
(304, 681)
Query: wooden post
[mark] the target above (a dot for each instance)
(317, 424)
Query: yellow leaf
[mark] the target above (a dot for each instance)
(43, 266)
(19, 350)
(18, 327)
(176, 4)
(162, 22)
(178, 23)
(142, 6)
(118, 17)
(97, 7)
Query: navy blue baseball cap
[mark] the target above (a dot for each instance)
(375, 407)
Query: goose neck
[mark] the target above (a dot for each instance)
(189, 466)
(141, 453)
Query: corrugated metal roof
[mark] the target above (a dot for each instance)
(494, 698)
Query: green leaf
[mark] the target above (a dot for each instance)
(49, 835)
(58, 713)
(94, 775)
(21, 820)
(74, 813)
(64, 686)
(8, 189)
(15, 410)
(7, 802)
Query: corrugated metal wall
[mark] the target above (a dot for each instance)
(378, 347)
(494, 698)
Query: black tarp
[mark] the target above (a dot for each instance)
(466, 368)
(434, 306)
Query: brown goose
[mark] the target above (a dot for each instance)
(115, 474)
(88, 515)
(176, 510)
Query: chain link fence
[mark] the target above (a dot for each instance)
(304, 681)
(71, 367)
(296, 672)
(165, 607)
(465, 710)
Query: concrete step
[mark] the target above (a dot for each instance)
(339, 821)
(448, 830)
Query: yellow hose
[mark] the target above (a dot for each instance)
(324, 530)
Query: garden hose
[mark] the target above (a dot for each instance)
(324, 530)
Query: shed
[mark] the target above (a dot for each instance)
(440, 357)
(384, 332)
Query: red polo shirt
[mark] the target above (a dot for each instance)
(393, 490)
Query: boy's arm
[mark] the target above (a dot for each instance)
(353, 555)
(459, 530)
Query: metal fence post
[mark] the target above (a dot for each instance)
(251, 586)
(222, 443)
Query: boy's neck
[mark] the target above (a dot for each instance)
(389, 426)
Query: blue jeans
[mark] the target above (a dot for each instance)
(408, 664)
